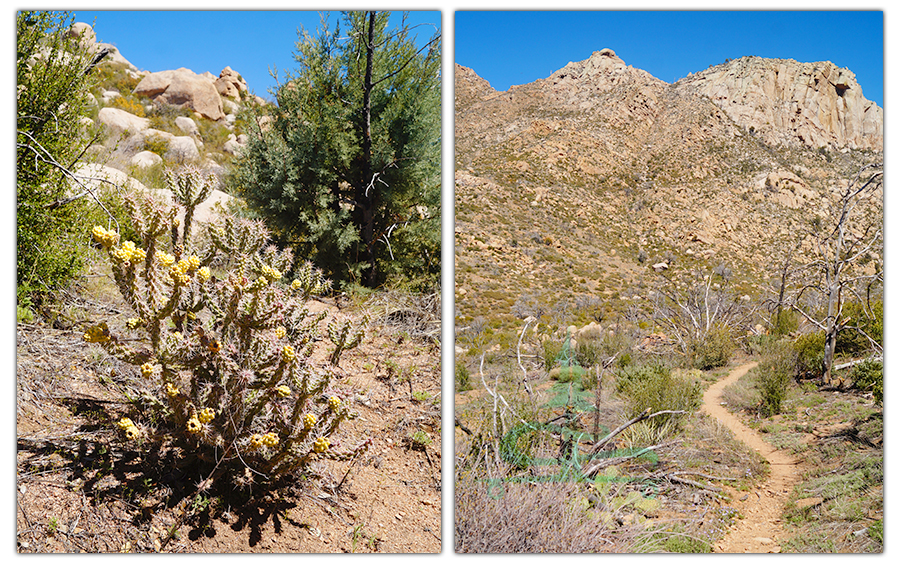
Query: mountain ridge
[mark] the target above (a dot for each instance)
(578, 183)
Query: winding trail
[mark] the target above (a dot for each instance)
(761, 527)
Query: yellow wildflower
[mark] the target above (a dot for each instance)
(97, 333)
(203, 274)
(132, 433)
(309, 420)
(321, 445)
(287, 353)
(133, 323)
(104, 237)
(280, 332)
(125, 423)
(171, 390)
(146, 370)
(334, 402)
(165, 259)
(193, 262)
(256, 441)
(206, 415)
(178, 276)
(283, 391)
(194, 425)
(270, 273)
(270, 440)
(296, 285)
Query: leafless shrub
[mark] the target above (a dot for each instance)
(495, 517)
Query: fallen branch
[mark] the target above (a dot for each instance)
(673, 477)
(645, 415)
(593, 467)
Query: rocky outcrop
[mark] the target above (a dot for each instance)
(231, 84)
(83, 33)
(786, 101)
(183, 87)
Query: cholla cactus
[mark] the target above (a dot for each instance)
(344, 338)
(228, 357)
(189, 188)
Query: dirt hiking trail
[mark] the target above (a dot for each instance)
(761, 528)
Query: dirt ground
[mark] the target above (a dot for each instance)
(78, 490)
(761, 529)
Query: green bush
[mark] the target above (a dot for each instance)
(850, 341)
(228, 378)
(463, 380)
(550, 352)
(774, 375)
(156, 144)
(51, 96)
(784, 323)
(810, 349)
(654, 385)
(869, 376)
(714, 350)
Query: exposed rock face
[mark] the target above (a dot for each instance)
(231, 84)
(814, 103)
(182, 87)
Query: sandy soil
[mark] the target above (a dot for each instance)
(761, 529)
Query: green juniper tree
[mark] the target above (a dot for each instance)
(346, 168)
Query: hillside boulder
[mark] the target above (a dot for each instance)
(118, 120)
(83, 32)
(183, 88)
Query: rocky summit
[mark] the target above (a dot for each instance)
(582, 183)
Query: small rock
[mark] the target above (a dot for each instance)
(763, 540)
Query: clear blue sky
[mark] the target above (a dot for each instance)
(512, 48)
(251, 42)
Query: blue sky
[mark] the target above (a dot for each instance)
(250, 42)
(511, 48)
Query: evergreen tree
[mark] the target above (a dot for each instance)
(347, 167)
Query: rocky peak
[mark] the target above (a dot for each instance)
(786, 101)
(470, 87)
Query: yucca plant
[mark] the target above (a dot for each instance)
(228, 358)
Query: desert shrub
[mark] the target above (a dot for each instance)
(156, 144)
(655, 386)
(869, 376)
(784, 322)
(226, 362)
(567, 374)
(114, 76)
(550, 352)
(861, 324)
(52, 88)
(510, 517)
(810, 350)
(129, 104)
(713, 350)
(463, 380)
(774, 376)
